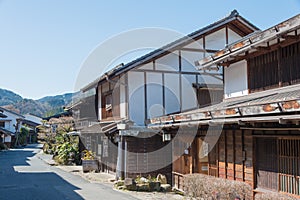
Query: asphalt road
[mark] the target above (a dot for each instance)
(24, 176)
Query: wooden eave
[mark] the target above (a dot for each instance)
(285, 32)
(274, 102)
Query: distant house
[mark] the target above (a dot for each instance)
(10, 124)
(57, 120)
(31, 122)
(117, 107)
(253, 134)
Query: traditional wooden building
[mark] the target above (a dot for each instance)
(10, 124)
(159, 83)
(253, 134)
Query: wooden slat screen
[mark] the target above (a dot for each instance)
(263, 72)
(289, 166)
(278, 66)
(290, 62)
(267, 164)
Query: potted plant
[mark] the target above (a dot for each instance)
(89, 162)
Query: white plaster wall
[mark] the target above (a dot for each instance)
(197, 44)
(99, 103)
(10, 121)
(235, 80)
(7, 138)
(216, 40)
(188, 59)
(123, 105)
(169, 62)
(172, 93)
(136, 97)
(148, 66)
(232, 36)
(154, 95)
(189, 97)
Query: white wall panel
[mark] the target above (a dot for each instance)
(236, 83)
(99, 103)
(148, 66)
(188, 59)
(189, 97)
(197, 44)
(216, 40)
(172, 93)
(136, 97)
(154, 95)
(169, 62)
(233, 36)
(123, 105)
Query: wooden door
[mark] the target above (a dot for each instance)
(266, 163)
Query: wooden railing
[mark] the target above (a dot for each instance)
(178, 180)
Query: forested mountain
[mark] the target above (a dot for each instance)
(43, 107)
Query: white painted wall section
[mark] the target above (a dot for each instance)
(99, 103)
(123, 104)
(233, 36)
(188, 59)
(169, 62)
(189, 96)
(154, 95)
(216, 40)
(148, 66)
(136, 97)
(172, 93)
(235, 80)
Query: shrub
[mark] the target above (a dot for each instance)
(22, 137)
(201, 186)
(64, 148)
(3, 146)
(273, 196)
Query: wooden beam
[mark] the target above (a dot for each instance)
(262, 50)
(198, 50)
(290, 37)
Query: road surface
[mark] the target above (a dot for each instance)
(24, 176)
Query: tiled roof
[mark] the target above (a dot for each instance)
(7, 132)
(100, 128)
(6, 110)
(280, 101)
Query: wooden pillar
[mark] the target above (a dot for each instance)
(279, 65)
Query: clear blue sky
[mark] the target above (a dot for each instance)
(43, 43)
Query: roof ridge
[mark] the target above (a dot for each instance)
(234, 13)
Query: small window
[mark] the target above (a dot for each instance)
(2, 124)
(107, 106)
(108, 102)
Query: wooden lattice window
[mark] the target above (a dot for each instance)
(289, 166)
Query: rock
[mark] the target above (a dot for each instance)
(119, 183)
(154, 186)
(144, 180)
(130, 184)
(121, 187)
(143, 187)
(165, 188)
(161, 178)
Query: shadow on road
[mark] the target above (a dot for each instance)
(24, 176)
